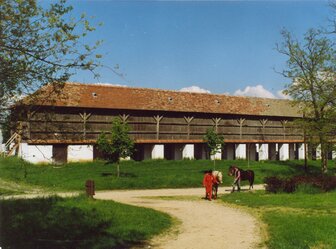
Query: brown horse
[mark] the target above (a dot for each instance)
(244, 175)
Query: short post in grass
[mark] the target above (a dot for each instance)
(90, 188)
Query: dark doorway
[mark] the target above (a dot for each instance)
(60, 153)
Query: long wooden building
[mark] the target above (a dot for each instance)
(64, 126)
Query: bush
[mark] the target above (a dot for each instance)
(323, 182)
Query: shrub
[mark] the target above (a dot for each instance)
(323, 182)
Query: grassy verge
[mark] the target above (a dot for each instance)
(76, 223)
(296, 220)
(138, 175)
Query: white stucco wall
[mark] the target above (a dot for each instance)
(188, 151)
(240, 151)
(283, 152)
(263, 152)
(301, 151)
(36, 153)
(77, 153)
(158, 151)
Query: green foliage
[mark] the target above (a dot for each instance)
(76, 223)
(311, 68)
(214, 141)
(40, 45)
(118, 144)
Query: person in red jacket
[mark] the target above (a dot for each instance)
(208, 181)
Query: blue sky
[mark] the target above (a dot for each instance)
(219, 46)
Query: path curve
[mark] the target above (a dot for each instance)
(204, 224)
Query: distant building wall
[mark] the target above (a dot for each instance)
(36, 153)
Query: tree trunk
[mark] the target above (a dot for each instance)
(324, 158)
(118, 170)
(305, 157)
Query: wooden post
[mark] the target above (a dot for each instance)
(124, 117)
(157, 118)
(284, 123)
(188, 120)
(241, 122)
(263, 123)
(85, 116)
(216, 121)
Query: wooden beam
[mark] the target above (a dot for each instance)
(162, 141)
(216, 121)
(85, 116)
(241, 122)
(124, 117)
(188, 120)
(157, 118)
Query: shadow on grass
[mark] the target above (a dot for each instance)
(55, 224)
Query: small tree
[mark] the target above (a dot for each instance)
(214, 142)
(118, 144)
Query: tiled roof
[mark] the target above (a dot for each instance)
(129, 98)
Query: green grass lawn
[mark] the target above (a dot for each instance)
(296, 220)
(76, 223)
(138, 175)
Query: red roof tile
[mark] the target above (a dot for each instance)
(129, 98)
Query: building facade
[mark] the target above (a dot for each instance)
(64, 126)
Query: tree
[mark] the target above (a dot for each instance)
(118, 144)
(214, 142)
(40, 46)
(311, 68)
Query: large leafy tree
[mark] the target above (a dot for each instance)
(117, 144)
(311, 67)
(39, 46)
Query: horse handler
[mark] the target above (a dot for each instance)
(208, 181)
(237, 179)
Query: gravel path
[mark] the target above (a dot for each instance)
(204, 224)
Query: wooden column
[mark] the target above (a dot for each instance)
(216, 121)
(124, 117)
(188, 120)
(85, 116)
(284, 123)
(241, 122)
(158, 118)
(263, 122)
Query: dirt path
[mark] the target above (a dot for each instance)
(204, 224)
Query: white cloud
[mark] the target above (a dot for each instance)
(255, 91)
(108, 84)
(194, 89)
(281, 95)
(260, 91)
